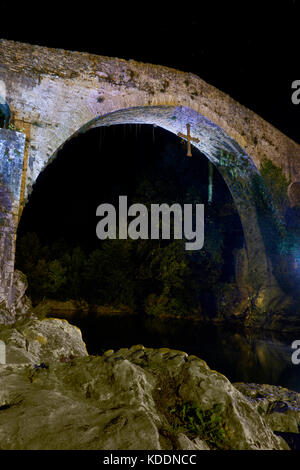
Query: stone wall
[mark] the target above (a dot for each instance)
(12, 146)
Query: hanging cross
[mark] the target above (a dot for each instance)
(189, 138)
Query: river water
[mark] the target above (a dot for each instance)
(241, 355)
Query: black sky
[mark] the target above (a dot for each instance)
(249, 50)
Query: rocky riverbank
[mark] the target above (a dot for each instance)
(53, 395)
(21, 309)
(70, 309)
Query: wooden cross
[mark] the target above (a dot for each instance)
(189, 138)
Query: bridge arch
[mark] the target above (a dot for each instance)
(233, 163)
(53, 94)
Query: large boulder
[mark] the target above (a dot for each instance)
(137, 398)
(279, 406)
(36, 341)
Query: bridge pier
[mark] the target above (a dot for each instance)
(261, 294)
(266, 295)
(12, 145)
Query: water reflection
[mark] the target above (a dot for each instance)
(241, 355)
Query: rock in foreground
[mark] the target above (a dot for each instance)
(136, 398)
(36, 341)
(279, 406)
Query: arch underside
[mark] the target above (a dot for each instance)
(232, 162)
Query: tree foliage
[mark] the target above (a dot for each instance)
(152, 276)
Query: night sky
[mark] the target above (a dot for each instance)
(249, 50)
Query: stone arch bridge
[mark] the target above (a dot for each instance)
(55, 94)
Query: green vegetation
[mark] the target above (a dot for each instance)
(158, 277)
(276, 182)
(12, 127)
(155, 276)
(206, 424)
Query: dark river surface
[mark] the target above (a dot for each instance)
(241, 355)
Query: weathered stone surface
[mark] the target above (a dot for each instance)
(19, 304)
(122, 400)
(37, 341)
(12, 146)
(279, 406)
(294, 193)
(184, 443)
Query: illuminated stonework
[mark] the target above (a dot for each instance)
(294, 193)
(12, 146)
